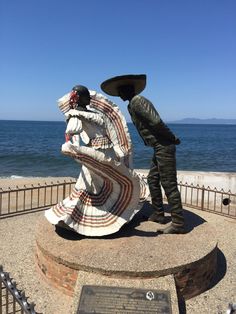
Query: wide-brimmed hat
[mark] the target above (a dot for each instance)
(111, 85)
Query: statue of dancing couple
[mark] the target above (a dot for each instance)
(108, 192)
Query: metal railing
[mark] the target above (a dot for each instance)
(32, 198)
(27, 199)
(13, 300)
(207, 199)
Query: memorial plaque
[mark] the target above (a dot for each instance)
(111, 300)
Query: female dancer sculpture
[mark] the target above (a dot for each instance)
(108, 193)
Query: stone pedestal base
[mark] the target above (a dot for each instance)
(135, 252)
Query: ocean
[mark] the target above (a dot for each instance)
(32, 149)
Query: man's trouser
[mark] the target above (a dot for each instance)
(163, 172)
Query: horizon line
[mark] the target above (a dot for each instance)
(128, 121)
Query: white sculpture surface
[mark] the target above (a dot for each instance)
(108, 192)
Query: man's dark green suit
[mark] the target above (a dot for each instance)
(156, 134)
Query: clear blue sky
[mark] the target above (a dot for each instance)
(186, 48)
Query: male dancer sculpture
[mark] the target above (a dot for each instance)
(154, 133)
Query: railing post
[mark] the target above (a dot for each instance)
(14, 295)
(64, 190)
(202, 200)
(1, 291)
(1, 201)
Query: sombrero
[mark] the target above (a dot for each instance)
(111, 85)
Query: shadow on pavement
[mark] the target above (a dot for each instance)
(130, 229)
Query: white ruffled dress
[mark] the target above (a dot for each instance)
(108, 192)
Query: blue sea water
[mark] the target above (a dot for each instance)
(32, 149)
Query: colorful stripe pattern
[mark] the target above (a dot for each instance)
(116, 121)
(100, 142)
(122, 201)
(96, 214)
(85, 198)
(107, 220)
(116, 125)
(64, 103)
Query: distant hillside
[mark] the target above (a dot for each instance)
(204, 121)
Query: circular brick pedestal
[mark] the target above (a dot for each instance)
(136, 251)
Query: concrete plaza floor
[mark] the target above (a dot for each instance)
(17, 255)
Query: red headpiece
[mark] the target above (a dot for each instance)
(74, 97)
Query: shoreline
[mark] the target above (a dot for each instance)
(219, 180)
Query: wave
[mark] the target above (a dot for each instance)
(13, 177)
(16, 177)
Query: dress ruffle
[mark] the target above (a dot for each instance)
(108, 193)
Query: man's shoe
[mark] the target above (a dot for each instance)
(158, 217)
(172, 229)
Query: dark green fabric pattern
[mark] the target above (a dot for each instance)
(155, 133)
(163, 172)
(148, 122)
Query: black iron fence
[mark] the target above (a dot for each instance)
(32, 198)
(207, 199)
(13, 300)
(38, 197)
